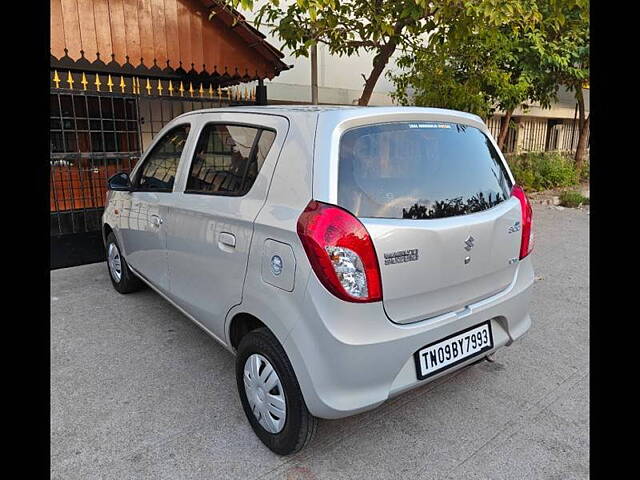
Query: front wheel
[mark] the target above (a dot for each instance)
(270, 394)
(123, 280)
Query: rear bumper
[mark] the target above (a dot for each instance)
(350, 358)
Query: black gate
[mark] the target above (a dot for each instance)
(92, 136)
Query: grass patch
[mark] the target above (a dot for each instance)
(572, 199)
(536, 171)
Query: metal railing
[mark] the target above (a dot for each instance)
(538, 134)
(93, 135)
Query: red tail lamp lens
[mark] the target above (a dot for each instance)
(341, 252)
(526, 244)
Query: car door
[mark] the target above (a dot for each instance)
(210, 222)
(142, 228)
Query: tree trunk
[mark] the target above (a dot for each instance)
(581, 149)
(583, 129)
(504, 128)
(382, 59)
(580, 99)
(379, 62)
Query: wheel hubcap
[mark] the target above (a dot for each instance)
(264, 393)
(114, 262)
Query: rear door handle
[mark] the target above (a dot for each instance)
(156, 220)
(227, 239)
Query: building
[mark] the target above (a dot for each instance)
(543, 129)
(119, 71)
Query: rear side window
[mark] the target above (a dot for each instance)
(419, 171)
(228, 158)
(159, 170)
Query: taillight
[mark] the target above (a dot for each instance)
(341, 252)
(526, 244)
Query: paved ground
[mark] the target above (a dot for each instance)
(138, 391)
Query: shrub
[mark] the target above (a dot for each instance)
(584, 174)
(536, 171)
(572, 199)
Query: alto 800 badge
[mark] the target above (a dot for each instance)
(401, 256)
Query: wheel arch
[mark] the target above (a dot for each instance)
(106, 230)
(241, 321)
(240, 325)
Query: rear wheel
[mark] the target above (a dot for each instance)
(270, 394)
(123, 280)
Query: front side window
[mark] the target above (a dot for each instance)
(159, 170)
(227, 159)
(419, 170)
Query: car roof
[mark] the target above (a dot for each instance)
(345, 110)
(279, 109)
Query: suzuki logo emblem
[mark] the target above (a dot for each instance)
(469, 243)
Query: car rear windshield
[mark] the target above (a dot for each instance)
(419, 171)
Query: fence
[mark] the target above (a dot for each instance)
(494, 126)
(95, 135)
(531, 134)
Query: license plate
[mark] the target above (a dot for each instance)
(452, 350)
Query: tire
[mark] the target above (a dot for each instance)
(299, 425)
(123, 281)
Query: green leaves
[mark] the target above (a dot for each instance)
(497, 54)
(387, 28)
(537, 171)
(481, 54)
(346, 26)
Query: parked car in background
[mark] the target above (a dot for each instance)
(344, 255)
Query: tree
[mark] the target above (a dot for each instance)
(476, 73)
(347, 27)
(479, 70)
(562, 50)
(379, 26)
(484, 69)
(429, 77)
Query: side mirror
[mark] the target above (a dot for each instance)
(120, 182)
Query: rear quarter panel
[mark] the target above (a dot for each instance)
(288, 195)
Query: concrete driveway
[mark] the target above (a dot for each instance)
(138, 391)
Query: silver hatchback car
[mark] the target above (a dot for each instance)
(343, 254)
